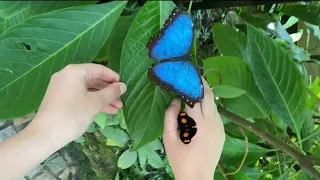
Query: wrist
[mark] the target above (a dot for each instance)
(46, 133)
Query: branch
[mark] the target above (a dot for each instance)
(303, 160)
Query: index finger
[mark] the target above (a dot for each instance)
(97, 71)
(208, 105)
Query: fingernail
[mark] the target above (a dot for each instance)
(123, 88)
(175, 101)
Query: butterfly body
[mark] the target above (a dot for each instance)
(171, 48)
(186, 128)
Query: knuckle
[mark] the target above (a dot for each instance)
(69, 68)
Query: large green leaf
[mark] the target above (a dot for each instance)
(229, 41)
(145, 103)
(12, 12)
(40, 7)
(15, 12)
(278, 78)
(55, 39)
(305, 12)
(234, 151)
(113, 47)
(236, 72)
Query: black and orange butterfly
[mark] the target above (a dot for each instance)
(186, 127)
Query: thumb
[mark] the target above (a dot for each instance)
(109, 93)
(170, 132)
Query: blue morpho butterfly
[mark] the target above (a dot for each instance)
(172, 48)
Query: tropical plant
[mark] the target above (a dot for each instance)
(262, 64)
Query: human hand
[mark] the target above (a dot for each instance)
(198, 159)
(73, 98)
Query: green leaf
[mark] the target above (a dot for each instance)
(314, 29)
(229, 41)
(227, 91)
(145, 103)
(290, 22)
(12, 13)
(234, 151)
(113, 47)
(40, 7)
(240, 176)
(305, 12)
(114, 119)
(155, 145)
(234, 130)
(15, 12)
(155, 160)
(143, 156)
(307, 130)
(80, 140)
(123, 124)
(269, 23)
(117, 176)
(127, 159)
(91, 128)
(235, 72)
(101, 119)
(55, 39)
(115, 134)
(111, 142)
(278, 78)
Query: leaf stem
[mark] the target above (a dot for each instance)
(245, 154)
(302, 159)
(190, 6)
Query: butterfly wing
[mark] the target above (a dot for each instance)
(185, 120)
(174, 39)
(186, 127)
(187, 133)
(179, 76)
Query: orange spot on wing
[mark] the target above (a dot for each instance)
(183, 120)
(185, 134)
(183, 114)
(187, 140)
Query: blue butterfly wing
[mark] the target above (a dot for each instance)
(175, 38)
(180, 76)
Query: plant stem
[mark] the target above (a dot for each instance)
(303, 160)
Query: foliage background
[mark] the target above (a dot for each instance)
(262, 63)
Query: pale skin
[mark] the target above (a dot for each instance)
(76, 94)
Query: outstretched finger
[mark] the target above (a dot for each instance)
(207, 104)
